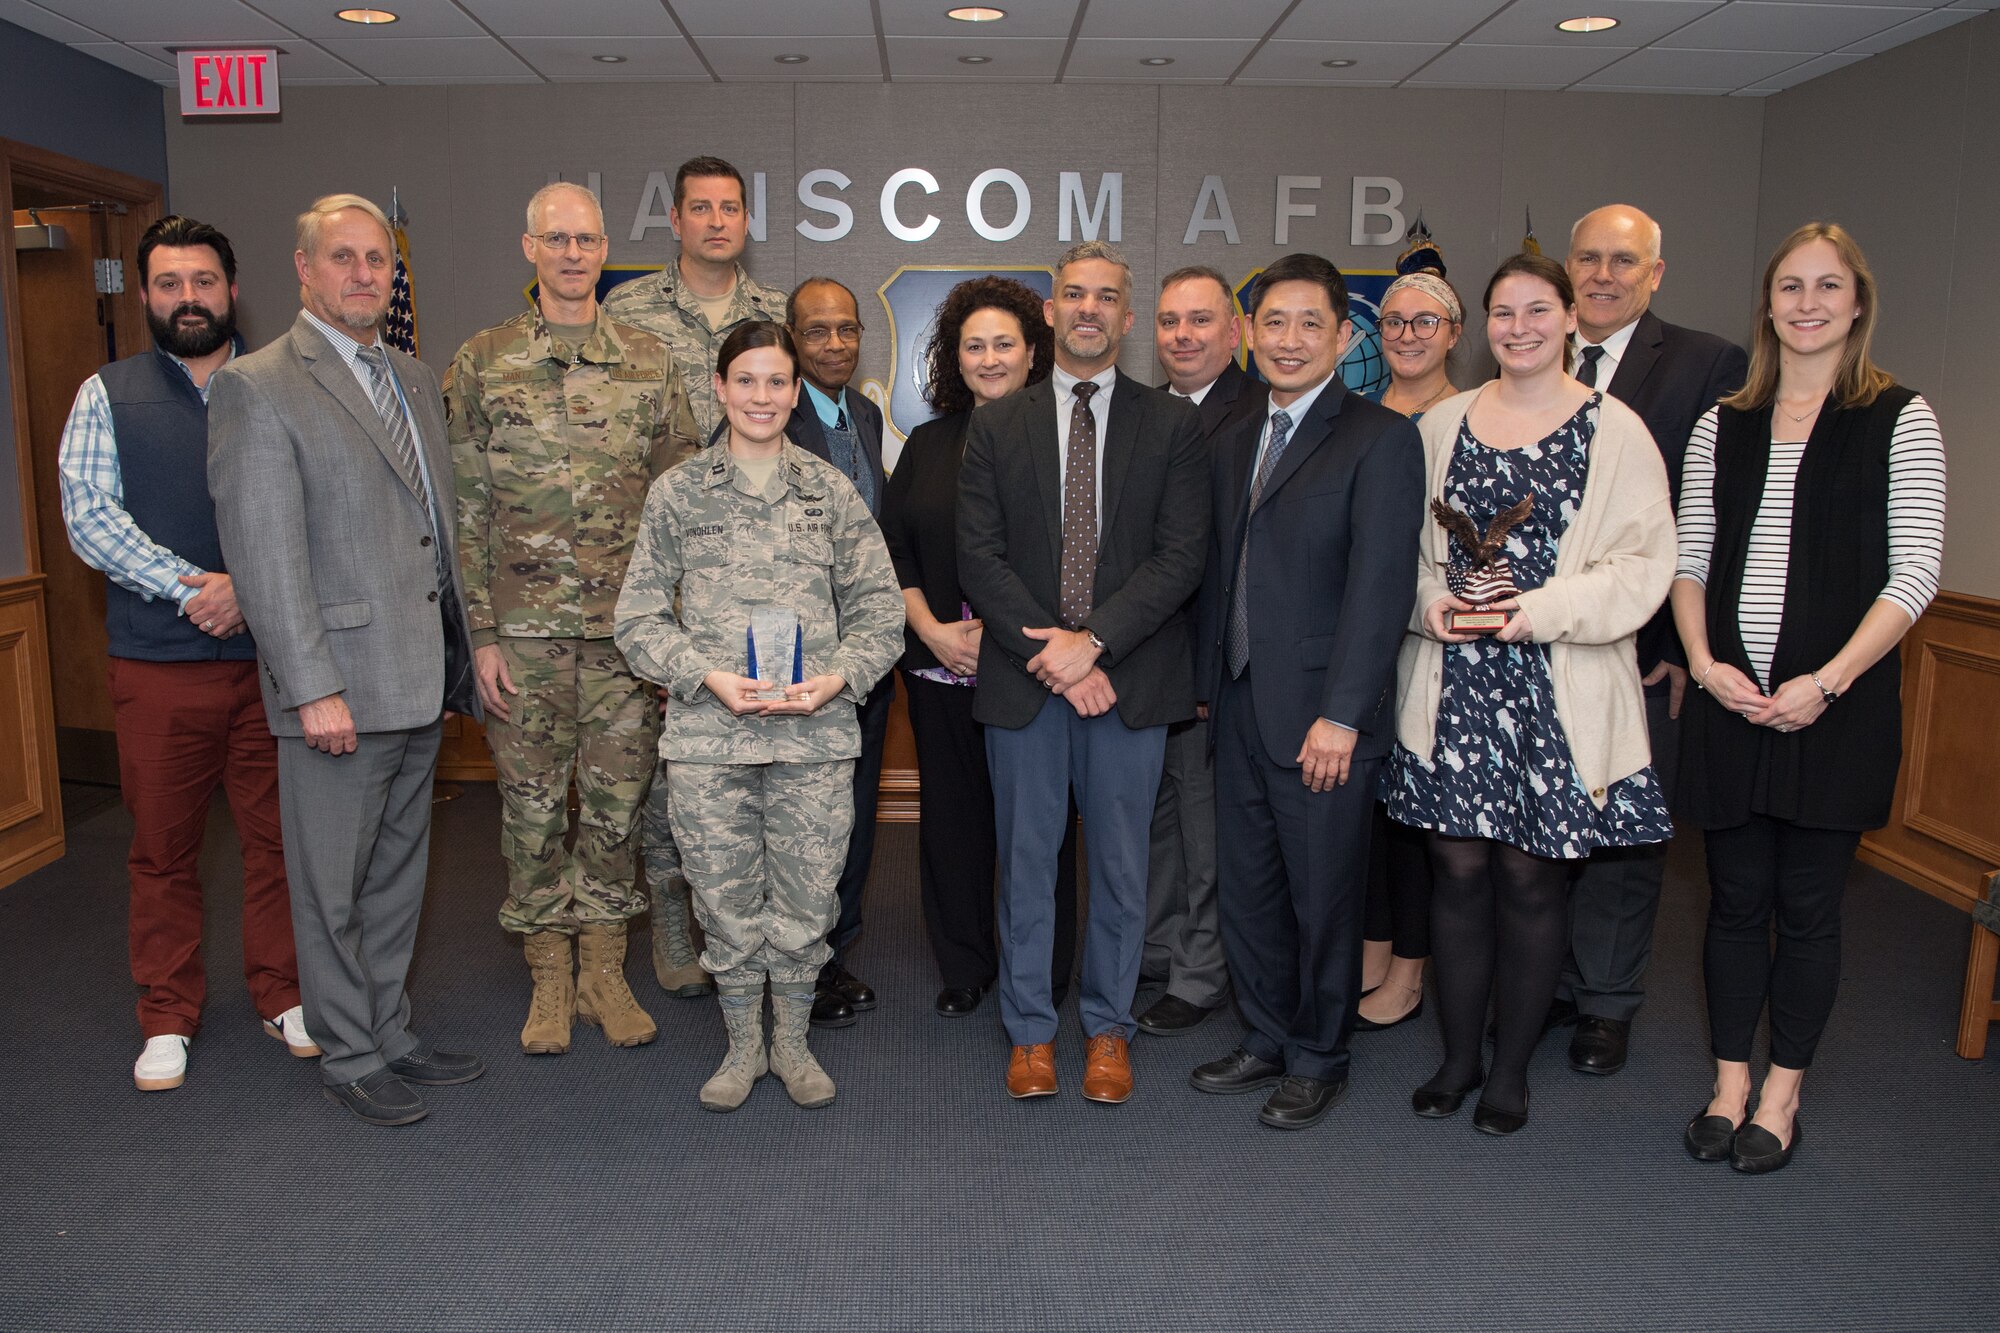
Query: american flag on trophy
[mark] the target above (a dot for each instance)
(1477, 573)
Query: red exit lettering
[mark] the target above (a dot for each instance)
(228, 82)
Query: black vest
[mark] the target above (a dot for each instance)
(1840, 772)
(160, 425)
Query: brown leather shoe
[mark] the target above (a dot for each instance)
(1031, 1071)
(1107, 1069)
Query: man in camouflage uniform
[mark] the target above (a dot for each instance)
(559, 419)
(692, 304)
(762, 803)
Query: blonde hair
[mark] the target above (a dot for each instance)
(327, 205)
(1859, 381)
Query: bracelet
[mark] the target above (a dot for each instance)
(1824, 693)
(1701, 681)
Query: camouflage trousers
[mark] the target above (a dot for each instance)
(580, 714)
(762, 846)
(656, 834)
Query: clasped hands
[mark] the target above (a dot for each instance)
(738, 694)
(1516, 630)
(1067, 664)
(1796, 703)
(213, 609)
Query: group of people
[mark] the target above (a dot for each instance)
(1339, 690)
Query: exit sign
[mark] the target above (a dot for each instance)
(233, 82)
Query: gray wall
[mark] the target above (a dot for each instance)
(54, 98)
(1899, 150)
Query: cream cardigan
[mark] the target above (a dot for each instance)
(1612, 571)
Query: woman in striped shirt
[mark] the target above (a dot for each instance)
(1811, 528)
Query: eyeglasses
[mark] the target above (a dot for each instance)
(586, 241)
(817, 335)
(1424, 326)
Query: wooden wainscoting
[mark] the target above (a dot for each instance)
(1943, 833)
(31, 827)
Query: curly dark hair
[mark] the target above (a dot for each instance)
(947, 390)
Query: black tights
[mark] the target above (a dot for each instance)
(1499, 928)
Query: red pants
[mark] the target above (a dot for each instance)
(182, 728)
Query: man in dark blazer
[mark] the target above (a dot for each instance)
(1082, 523)
(1196, 333)
(1669, 375)
(332, 482)
(845, 429)
(1311, 577)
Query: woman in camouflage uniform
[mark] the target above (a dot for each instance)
(760, 789)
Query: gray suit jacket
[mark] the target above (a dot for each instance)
(328, 546)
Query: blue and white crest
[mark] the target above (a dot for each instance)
(1363, 369)
(911, 298)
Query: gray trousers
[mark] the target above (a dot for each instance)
(357, 846)
(1183, 938)
(1616, 897)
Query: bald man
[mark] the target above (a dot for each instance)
(1669, 375)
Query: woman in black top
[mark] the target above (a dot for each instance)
(991, 339)
(1811, 533)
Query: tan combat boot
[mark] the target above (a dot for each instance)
(743, 1016)
(674, 962)
(602, 997)
(791, 1061)
(553, 1005)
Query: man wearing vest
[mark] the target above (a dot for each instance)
(134, 466)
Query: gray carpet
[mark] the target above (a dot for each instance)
(591, 1192)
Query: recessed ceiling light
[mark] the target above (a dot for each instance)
(366, 16)
(791, 60)
(1589, 23)
(976, 14)
(1338, 64)
(609, 60)
(975, 60)
(1157, 60)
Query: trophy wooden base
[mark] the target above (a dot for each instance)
(1475, 622)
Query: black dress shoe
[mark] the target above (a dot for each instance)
(1756, 1151)
(433, 1068)
(1492, 1120)
(1171, 1015)
(1711, 1138)
(1238, 1071)
(1432, 1105)
(1599, 1046)
(958, 1001)
(858, 994)
(1301, 1102)
(830, 1010)
(1362, 1024)
(380, 1099)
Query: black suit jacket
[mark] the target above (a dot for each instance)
(1332, 569)
(809, 434)
(1153, 533)
(1670, 375)
(1232, 395)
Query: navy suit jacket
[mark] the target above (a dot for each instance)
(809, 434)
(1332, 569)
(1670, 375)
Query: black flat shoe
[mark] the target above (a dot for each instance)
(1711, 1138)
(1757, 1152)
(958, 1001)
(1441, 1105)
(1492, 1120)
(1362, 1024)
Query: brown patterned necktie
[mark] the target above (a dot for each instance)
(1079, 512)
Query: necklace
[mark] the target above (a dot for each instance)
(1431, 401)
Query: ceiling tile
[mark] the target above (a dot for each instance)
(296, 60)
(761, 18)
(414, 18)
(597, 18)
(1810, 69)
(138, 62)
(1752, 26)
(571, 58)
(1375, 21)
(1515, 66)
(1117, 59)
(1921, 25)
(1025, 18)
(1719, 71)
(182, 21)
(755, 58)
(1533, 22)
(1180, 19)
(1374, 62)
(440, 59)
(935, 59)
(36, 19)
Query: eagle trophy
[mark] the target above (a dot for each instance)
(1485, 577)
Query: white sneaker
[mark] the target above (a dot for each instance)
(290, 1028)
(162, 1065)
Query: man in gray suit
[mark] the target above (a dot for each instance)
(332, 484)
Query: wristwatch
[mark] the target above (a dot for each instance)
(1095, 642)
